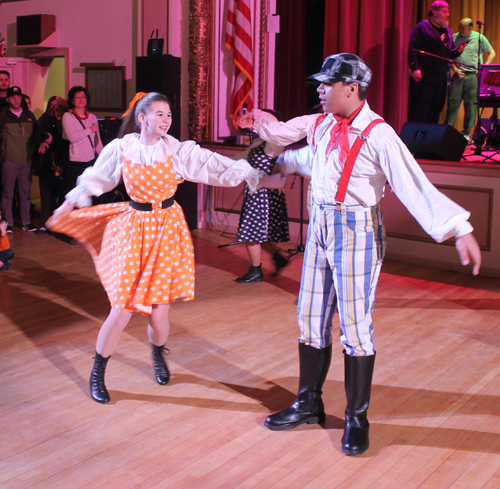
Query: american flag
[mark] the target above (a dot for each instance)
(239, 40)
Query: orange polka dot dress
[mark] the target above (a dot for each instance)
(142, 257)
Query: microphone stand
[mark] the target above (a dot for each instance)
(233, 242)
(477, 132)
(300, 247)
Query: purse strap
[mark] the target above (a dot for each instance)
(83, 125)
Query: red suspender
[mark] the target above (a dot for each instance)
(319, 120)
(351, 159)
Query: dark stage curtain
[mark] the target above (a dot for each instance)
(290, 87)
(376, 30)
(379, 32)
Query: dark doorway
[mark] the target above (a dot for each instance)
(299, 53)
(314, 42)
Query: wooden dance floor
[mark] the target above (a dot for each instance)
(435, 410)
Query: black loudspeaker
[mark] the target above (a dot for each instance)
(163, 74)
(108, 129)
(433, 141)
(33, 29)
(155, 47)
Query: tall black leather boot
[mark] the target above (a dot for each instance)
(161, 369)
(358, 384)
(254, 274)
(308, 406)
(98, 390)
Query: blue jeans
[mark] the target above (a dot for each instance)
(6, 255)
(22, 173)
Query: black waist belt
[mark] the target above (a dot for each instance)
(147, 206)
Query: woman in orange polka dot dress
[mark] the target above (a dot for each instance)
(142, 249)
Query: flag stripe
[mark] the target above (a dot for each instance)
(239, 40)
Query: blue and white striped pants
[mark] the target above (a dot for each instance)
(342, 261)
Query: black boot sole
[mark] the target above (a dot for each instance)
(291, 426)
(351, 452)
(240, 281)
(101, 401)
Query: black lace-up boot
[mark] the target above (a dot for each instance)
(358, 384)
(308, 406)
(161, 369)
(254, 274)
(98, 390)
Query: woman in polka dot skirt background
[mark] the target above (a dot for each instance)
(142, 250)
(264, 217)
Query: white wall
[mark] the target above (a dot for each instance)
(177, 44)
(104, 31)
(95, 31)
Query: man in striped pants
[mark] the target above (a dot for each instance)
(350, 155)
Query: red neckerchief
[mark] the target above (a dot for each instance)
(341, 128)
(83, 117)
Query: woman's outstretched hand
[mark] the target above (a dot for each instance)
(245, 121)
(64, 209)
(277, 181)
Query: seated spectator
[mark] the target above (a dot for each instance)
(6, 253)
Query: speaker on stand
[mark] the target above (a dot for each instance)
(108, 130)
(155, 45)
(163, 74)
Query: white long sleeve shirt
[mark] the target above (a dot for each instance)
(383, 157)
(81, 147)
(190, 162)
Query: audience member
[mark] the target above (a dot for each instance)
(4, 85)
(82, 130)
(51, 165)
(26, 102)
(17, 128)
